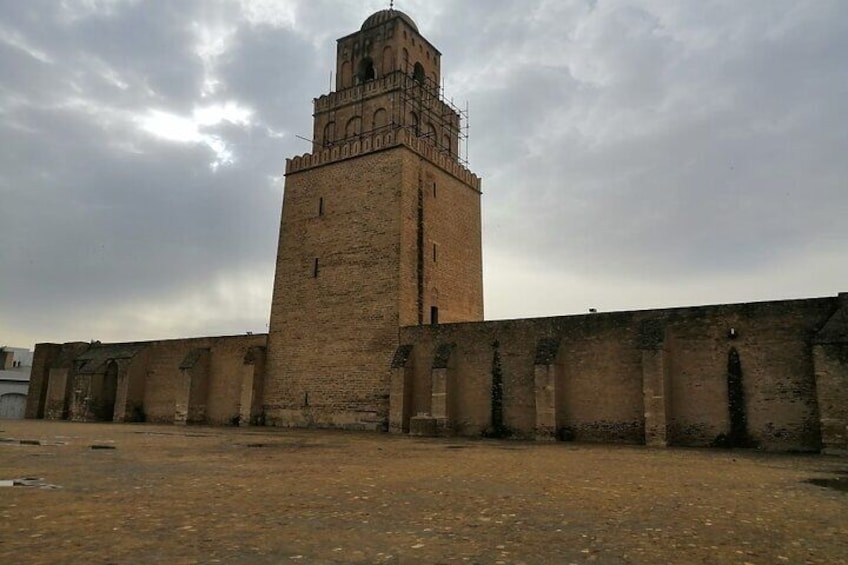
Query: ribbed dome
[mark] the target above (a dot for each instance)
(383, 16)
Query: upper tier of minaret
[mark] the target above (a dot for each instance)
(388, 41)
(387, 79)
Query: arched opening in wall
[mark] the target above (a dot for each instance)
(446, 144)
(418, 73)
(366, 71)
(413, 124)
(388, 60)
(430, 132)
(329, 134)
(379, 120)
(405, 60)
(108, 393)
(353, 128)
(345, 75)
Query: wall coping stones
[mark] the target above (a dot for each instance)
(68, 355)
(94, 359)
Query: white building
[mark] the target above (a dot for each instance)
(15, 367)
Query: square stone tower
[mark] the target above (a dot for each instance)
(380, 229)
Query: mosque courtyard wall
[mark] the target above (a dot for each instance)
(653, 377)
(658, 377)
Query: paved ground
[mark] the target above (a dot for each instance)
(224, 495)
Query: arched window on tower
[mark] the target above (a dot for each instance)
(405, 60)
(329, 134)
(379, 120)
(418, 73)
(414, 124)
(354, 127)
(366, 71)
(446, 144)
(430, 132)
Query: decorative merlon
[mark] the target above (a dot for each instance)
(378, 142)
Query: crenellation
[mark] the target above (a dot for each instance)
(379, 142)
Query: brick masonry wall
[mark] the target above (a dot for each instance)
(599, 382)
(331, 335)
(832, 388)
(224, 378)
(599, 393)
(43, 357)
(773, 341)
(59, 388)
(153, 378)
(137, 372)
(450, 220)
(830, 359)
(54, 363)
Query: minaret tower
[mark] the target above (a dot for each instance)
(380, 229)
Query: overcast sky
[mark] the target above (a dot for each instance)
(635, 154)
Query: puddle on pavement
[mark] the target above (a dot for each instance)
(15, 441)
(183, 434)
(33, 482)
(261, 445)
(837, 483)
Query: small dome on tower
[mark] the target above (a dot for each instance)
(383, 16)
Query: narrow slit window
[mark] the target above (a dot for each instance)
(321, 206)
(434, 190)
(435, 252)
(315, 269)
(434, 315)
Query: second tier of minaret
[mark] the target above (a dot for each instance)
(387, 78)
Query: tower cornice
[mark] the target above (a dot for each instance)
(378, 141)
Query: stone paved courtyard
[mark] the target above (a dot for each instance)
(168, 494)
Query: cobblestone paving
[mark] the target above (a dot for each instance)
(225, 495)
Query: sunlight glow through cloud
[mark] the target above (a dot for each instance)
(212, 42)
(18, 41)
(269, 12)
(172, 127)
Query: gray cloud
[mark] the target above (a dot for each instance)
(635, 154)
